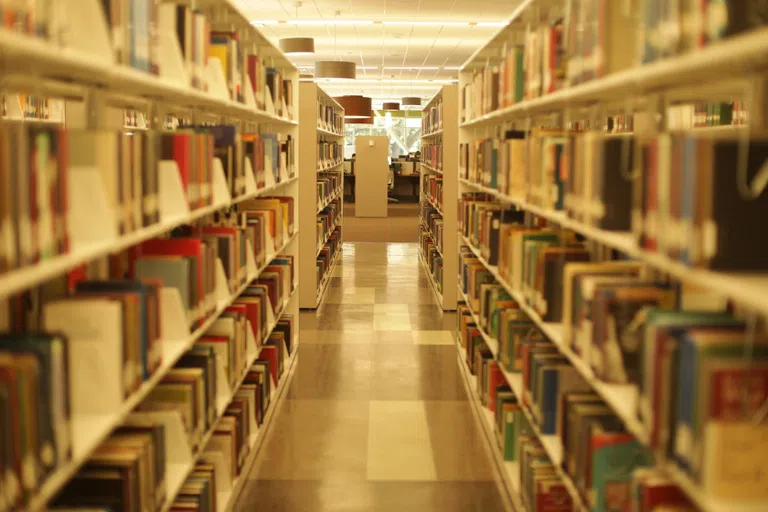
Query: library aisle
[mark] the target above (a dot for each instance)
(376, 417)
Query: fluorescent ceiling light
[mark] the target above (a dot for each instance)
(403, 81)
(412, 67)
(429, 23)
(329, 22)
(358, 67)
(452, 67)
(391, 23)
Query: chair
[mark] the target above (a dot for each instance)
(391, 185)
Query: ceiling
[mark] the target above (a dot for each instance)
(391, 41)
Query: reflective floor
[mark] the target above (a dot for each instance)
(376, 417)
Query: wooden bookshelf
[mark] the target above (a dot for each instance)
(79, 64)
(321, 120)
(706, 74)
(447, 134)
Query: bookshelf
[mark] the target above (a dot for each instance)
(321, 157)
(519, 127)
(438, 189)
(82, 64)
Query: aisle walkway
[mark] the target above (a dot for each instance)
(376, 417)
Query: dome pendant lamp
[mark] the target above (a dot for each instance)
(390, 105)
(355, 107)
(411, 101)
(297, 45)
(335, 69)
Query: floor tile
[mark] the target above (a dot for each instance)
(377, 372)
(350, 295)
(432, 337)
(456, 446)
(316, 439)
(399, 445)
(345, 337)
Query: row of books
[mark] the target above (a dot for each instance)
(134, 119)
(495, 163)
(128, 471)
(36, 19)
(269, 154)
(34, 205)
(327, 255)
(611, 313)
(603, 463)
(432, 155)
(432, 188)
(330, 117)
(129, 313)
(326, 221)
(32, 106)
(140, 27)
(693, 25)
(622, 182)
(591, 42)
(720, 114)
(327, 184)
(432, 117)
(329, 152)
(38, 158)
(433, 221)
(433, 258)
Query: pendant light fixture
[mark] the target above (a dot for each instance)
(411, 101)
(297, 45)
(361, 120)
(390, 105)
(335, 69)
(355, 107)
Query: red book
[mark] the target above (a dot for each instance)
(270, 353)
(658, 494)
(552, 497)
(736, 394)
(253, 314)
(253, 73)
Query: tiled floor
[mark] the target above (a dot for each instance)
(376, 417)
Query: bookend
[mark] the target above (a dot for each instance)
(223, 389)
(251, 188)
(223, 292)
(173, 317)
(250, 263)
(171, 59)
(174, 206)
(250, 98)
(90, 220)
(221, 196)
(217, 83)
(85, 31)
